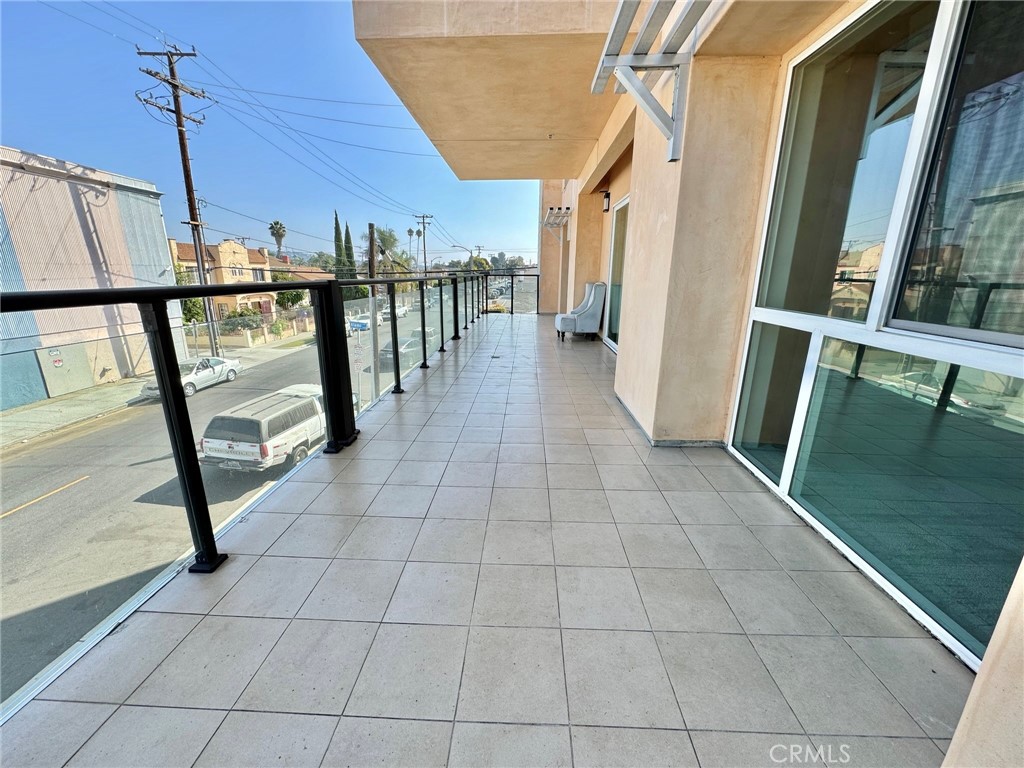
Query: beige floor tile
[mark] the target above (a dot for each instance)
(212, 666)
(511, 746)
(48, 733)
(524, 665)
(247, 739)
(311, 669)
(376, 743)
(599, 598)
(149, 736)
(618, 679)
(630, 748)
(123, 659)
(434, 593)
(353, 590)
(314, 536)
(412, 671)
(290, 498)
(516, 596)
(381, 538)
(450, 541)
(275, 587)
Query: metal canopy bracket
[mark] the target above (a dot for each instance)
(555, 221)
(627, 67)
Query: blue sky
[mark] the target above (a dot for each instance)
(68, 91)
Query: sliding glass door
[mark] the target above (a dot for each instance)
(620, 220)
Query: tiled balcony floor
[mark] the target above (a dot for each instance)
(501, 572)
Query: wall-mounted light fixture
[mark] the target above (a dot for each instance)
(606, 205)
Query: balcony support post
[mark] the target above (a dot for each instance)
(335, 372)
(455, 308)
(440, 311)
(395, 351)
(512, 294)
(423, 321)
(465, 302)
(179, 429)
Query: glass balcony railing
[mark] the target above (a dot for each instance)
(125, 447)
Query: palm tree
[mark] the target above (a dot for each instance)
(278, 231)
(409, 232)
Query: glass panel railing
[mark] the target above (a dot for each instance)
(257, 408)
(523, 289)
(92, 509)
(361, 345)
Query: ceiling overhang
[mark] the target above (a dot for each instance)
(502, 89)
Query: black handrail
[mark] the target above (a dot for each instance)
(328, 305)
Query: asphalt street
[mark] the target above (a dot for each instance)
(92, 513)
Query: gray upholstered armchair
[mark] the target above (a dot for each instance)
(586, 318)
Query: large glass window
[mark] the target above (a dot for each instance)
(846, 133)
(967, 265)
(620, 221)
(915, 464)
(771, 384)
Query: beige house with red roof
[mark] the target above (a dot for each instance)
(231, 262)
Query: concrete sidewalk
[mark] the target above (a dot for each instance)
(20, 425)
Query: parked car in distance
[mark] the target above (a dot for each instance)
(267, 431)
(362, 322)
(408, 355)
(401, 311)
(433, 337)
(198, 373)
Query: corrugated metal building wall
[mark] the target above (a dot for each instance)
(70, 227)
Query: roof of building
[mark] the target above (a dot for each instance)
(187, 252)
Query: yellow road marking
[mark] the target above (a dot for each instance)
(44, 496)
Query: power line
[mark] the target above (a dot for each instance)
(303, 98)
(328, 138)
(285, 152)
(343, 171)
(88, 23)
(318, 117)
(204, 202)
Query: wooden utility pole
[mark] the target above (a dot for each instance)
(194, 220)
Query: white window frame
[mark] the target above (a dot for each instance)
(612, 345)
(877, 331)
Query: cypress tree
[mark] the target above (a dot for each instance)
(340, 271)
(350, 253)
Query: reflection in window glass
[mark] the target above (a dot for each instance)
(915, 464)
(771, 384)
(846, 135)
(967, 266)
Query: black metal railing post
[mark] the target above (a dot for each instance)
(455, 308)
(179, 429)
(423, 321)
(465, 302)
(395, 353)
(476, 299)
(335, 371)
(440, 312)
(512, 294)
(479, 295)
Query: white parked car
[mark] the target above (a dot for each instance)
(200, 372)
(401, 311)
(362, 322)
